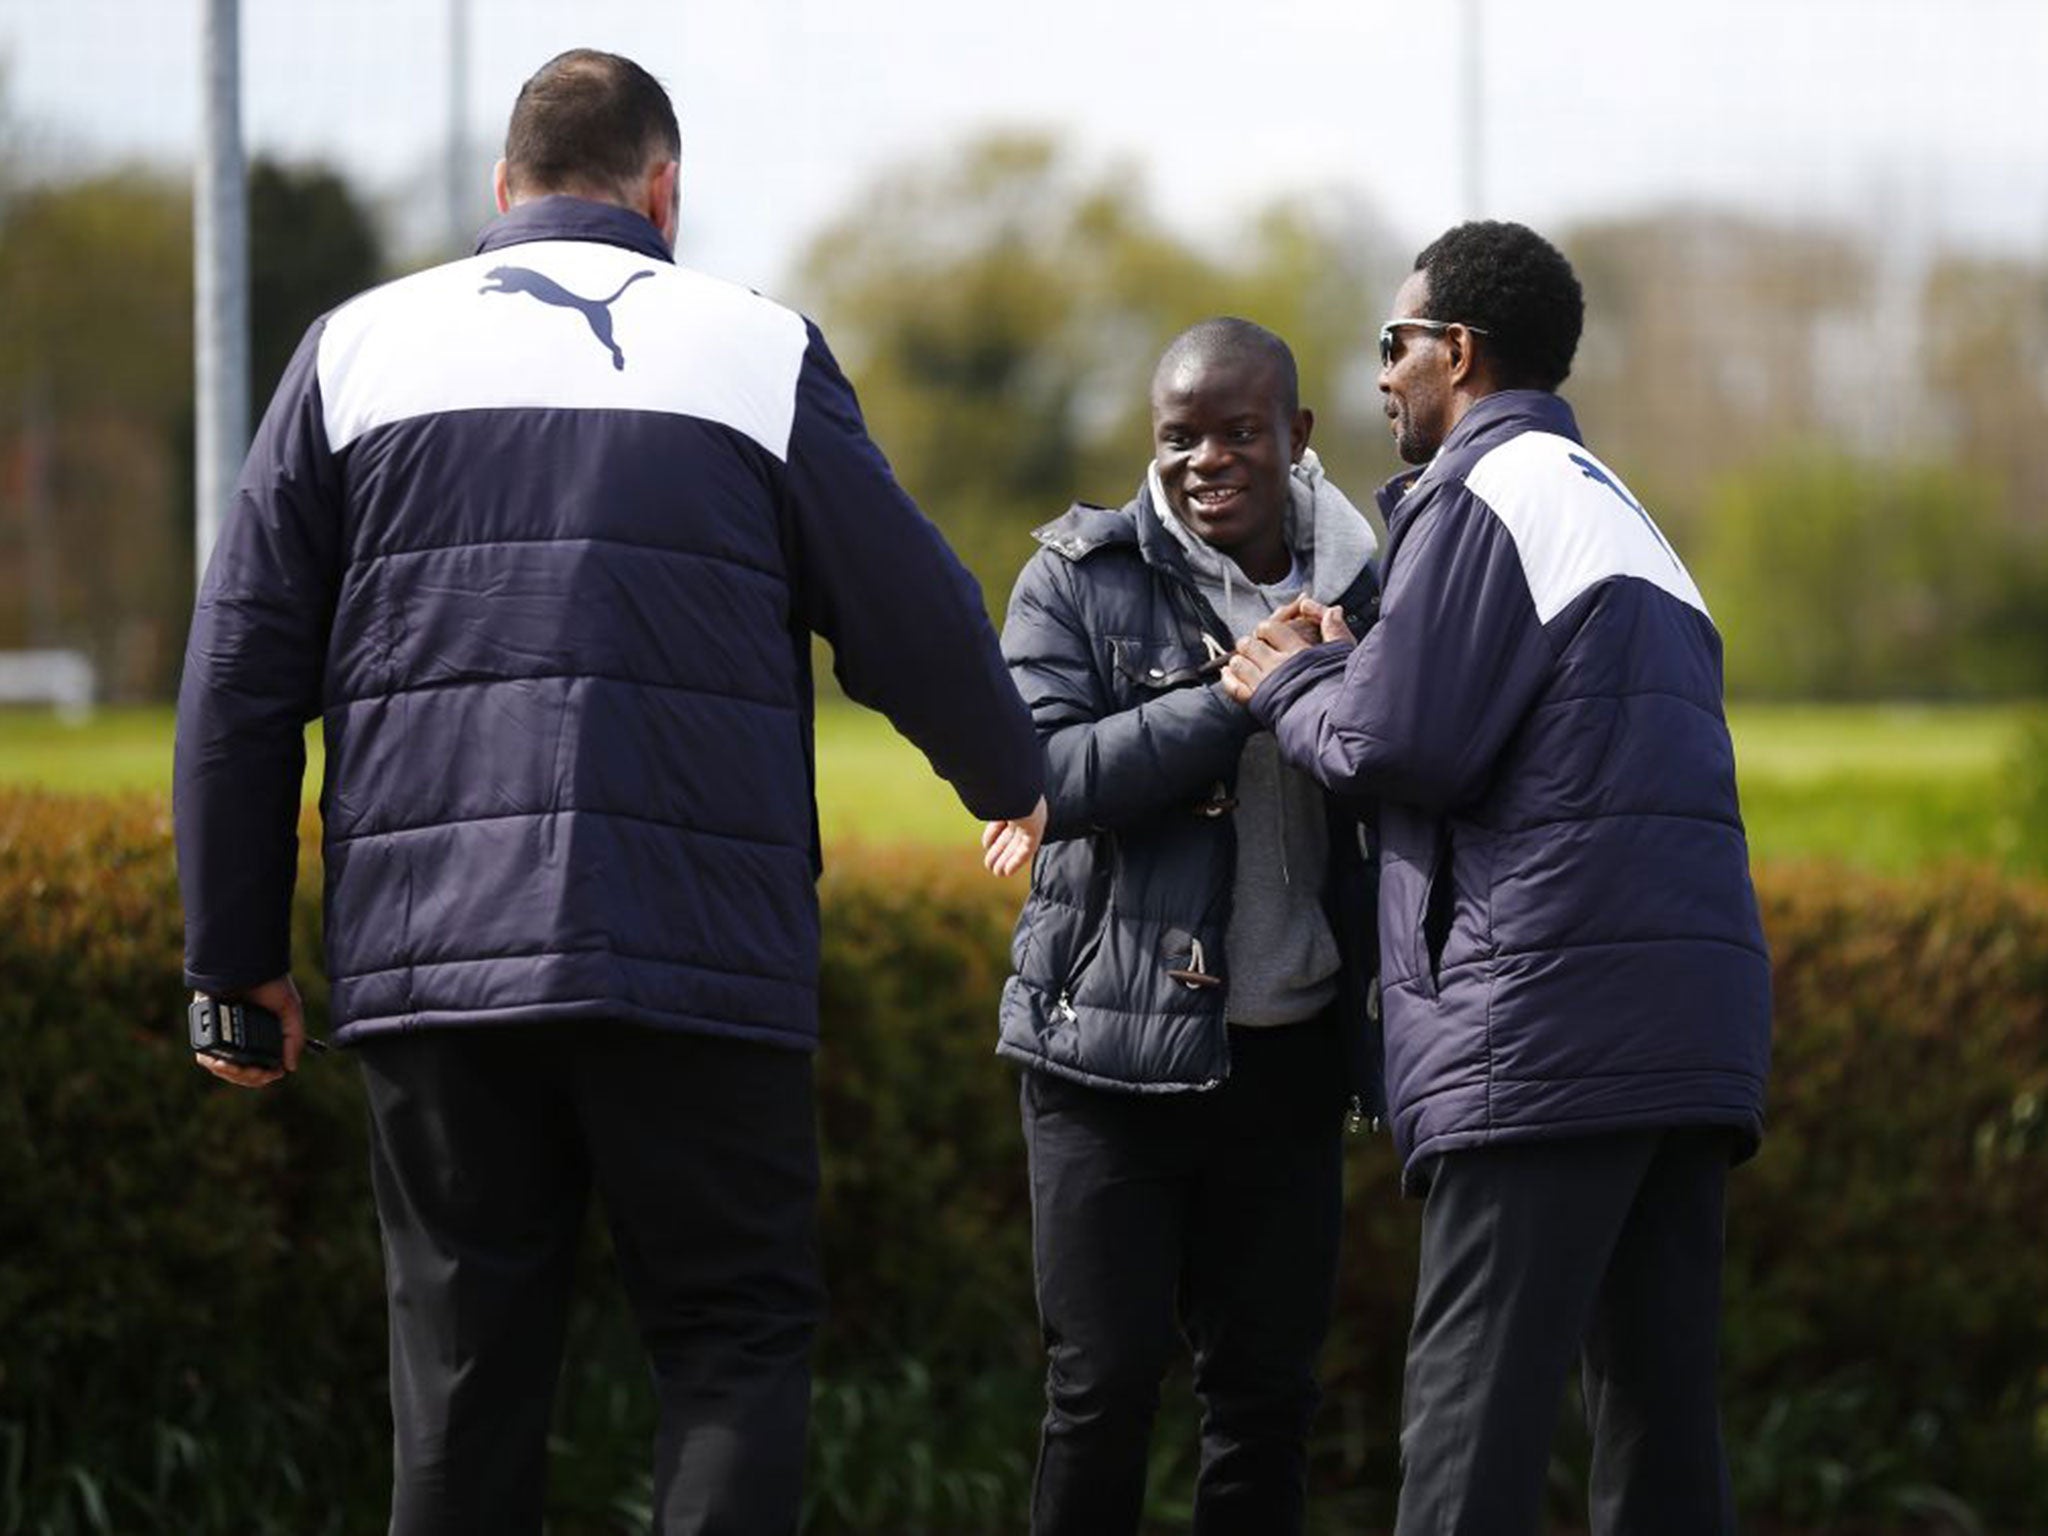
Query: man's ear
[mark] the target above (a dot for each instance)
(1298, 434)
(501, 186)
(1463, 354)
(661, 199)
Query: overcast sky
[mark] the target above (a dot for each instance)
(1916, 120)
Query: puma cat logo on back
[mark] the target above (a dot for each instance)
(597, 311)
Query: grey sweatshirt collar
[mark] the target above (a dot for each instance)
(1330, 539)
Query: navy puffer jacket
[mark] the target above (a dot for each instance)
(1570, 941)
(542, 536)
(1104, 639)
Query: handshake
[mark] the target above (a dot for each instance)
(1007, 846)
(1298, 626)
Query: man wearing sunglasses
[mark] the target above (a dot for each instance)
(1577, 993)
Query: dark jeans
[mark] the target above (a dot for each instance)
(484, 1146)
(1604, 1249)
(1219, 1211)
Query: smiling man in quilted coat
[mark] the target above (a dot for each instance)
(1192, 965)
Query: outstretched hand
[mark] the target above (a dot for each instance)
(1299, 626)
(1007, 846)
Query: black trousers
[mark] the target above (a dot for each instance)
(485, 1144)
(1606, 1249)
(1219, 1212)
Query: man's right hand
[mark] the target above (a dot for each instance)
(1317, 623)
(281, 997)
(1007, 846)
(1299, 626)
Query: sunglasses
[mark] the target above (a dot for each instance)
(1434, 327)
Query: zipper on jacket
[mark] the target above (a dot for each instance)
(1105, 875)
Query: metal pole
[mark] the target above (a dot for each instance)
(460, 231)
(1474, 135)
(39, 509)
(220, 276)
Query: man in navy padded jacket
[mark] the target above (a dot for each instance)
(542, 536)
(1577, 993)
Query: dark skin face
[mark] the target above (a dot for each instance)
(1225, 440)
(1432, 379)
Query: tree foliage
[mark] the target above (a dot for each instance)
(1704, 346)
(1001, 312)
(1842, 435)
(1837, 577)
(311, 245)
(95, 380)
(1985, 360)
(96, 393)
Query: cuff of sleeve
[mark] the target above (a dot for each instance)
(228, 983)
(1020, 805)
(1294, 675)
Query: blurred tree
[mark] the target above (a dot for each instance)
(95, 366)
(312, 244)
(1001, 315)
(1706, 346)
(1832, 577)
(1985, 357)
(96, 394)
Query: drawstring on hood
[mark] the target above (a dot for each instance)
(1328, 543)
(1281, 957)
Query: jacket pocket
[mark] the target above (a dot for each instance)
(1097, 915)
(1438, 907)
(1147, 668)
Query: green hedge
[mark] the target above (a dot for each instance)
(191, 1325)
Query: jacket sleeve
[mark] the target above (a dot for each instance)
(909, 634)
(1420, 710)
(1106, 768)
(253, 674)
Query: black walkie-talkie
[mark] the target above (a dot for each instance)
(243, 1033)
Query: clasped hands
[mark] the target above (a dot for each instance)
(1007, 846)
(1299, 626)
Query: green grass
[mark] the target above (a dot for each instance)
(1887, 787)
(873, 785)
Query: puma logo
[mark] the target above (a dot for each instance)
(1599, 476)
(597, 311)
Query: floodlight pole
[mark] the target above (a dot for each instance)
(220, 277)
(460, 226)
(1474, 136)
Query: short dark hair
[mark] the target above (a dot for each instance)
(1226, 338)
(1510, 282)
(588, 121)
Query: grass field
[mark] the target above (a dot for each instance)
(1887, 787)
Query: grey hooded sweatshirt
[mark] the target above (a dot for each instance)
(1282, 958)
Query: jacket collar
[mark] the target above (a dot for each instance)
(561, 217)
(1499, 415)
(1084, 528)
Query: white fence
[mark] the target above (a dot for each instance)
(62, 678)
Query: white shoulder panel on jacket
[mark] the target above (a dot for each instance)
(1573, 522)
(562, 325)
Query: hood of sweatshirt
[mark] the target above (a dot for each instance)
(1330, 539)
